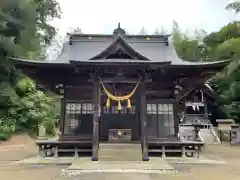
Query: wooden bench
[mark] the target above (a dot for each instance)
(186, 148)
(54, 147)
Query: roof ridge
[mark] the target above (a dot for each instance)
(119, 37)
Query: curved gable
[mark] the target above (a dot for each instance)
(119, 49)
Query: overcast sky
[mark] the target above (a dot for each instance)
(102, 16)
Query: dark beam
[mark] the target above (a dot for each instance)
(189, 84)
(159, 92)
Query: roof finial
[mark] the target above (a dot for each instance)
(119, 30)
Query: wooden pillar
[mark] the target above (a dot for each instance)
(143, 119)
(176, 111)
(96, 114)
(205, 108)
(62, 118)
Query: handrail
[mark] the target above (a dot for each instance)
(200, 137)
(214, 132)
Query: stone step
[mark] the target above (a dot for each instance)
(119, 146)
(208, 137)
(86, 165)
(120, 158)
(119, 152)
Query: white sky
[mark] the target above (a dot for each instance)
(102, 16)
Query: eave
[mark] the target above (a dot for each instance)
(205, 66)
(121, 62)
(34, 63)
(214, 64)
(210, 93)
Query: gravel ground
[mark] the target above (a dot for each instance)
(21, 147)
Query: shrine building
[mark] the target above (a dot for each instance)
(118, 88)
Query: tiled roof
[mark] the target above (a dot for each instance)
(156, 49)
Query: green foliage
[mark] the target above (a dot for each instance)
(24, 27)
(187, 49)
(25, 108)
(229, 49)
(24, 33)
(234, 6)
(190, 50)
(228, 87)
(4, 137)
(221, 45)
(229, 31)
(212, 40)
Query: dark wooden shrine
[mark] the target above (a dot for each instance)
(200, 103)
(119, 61)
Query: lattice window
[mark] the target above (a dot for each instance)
(124, 110)
(151, 108)
(163, 117)
(165, 109)
(73, 112)
(113, 109)
(87, 108)
(132, 110)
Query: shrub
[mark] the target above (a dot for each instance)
(23, 108)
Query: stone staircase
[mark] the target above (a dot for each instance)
(207, 132)
(208, 136)
(119, 152)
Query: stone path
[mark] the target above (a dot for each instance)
(115, 176)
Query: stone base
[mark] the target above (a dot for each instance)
(94, 158)
(47, 160)
(156, 164)
(42, 138)
(145, 158)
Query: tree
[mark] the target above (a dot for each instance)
(76, 30)
(234, 6)
(187, 49)
(24, 27)
(24, 32)
(177, 38)
(221, 45)
(228, 88)
(143, 31)
(200, 34)
(56, 46)
(156, 32)
(161, 31)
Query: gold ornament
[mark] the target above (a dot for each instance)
(119, 133)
